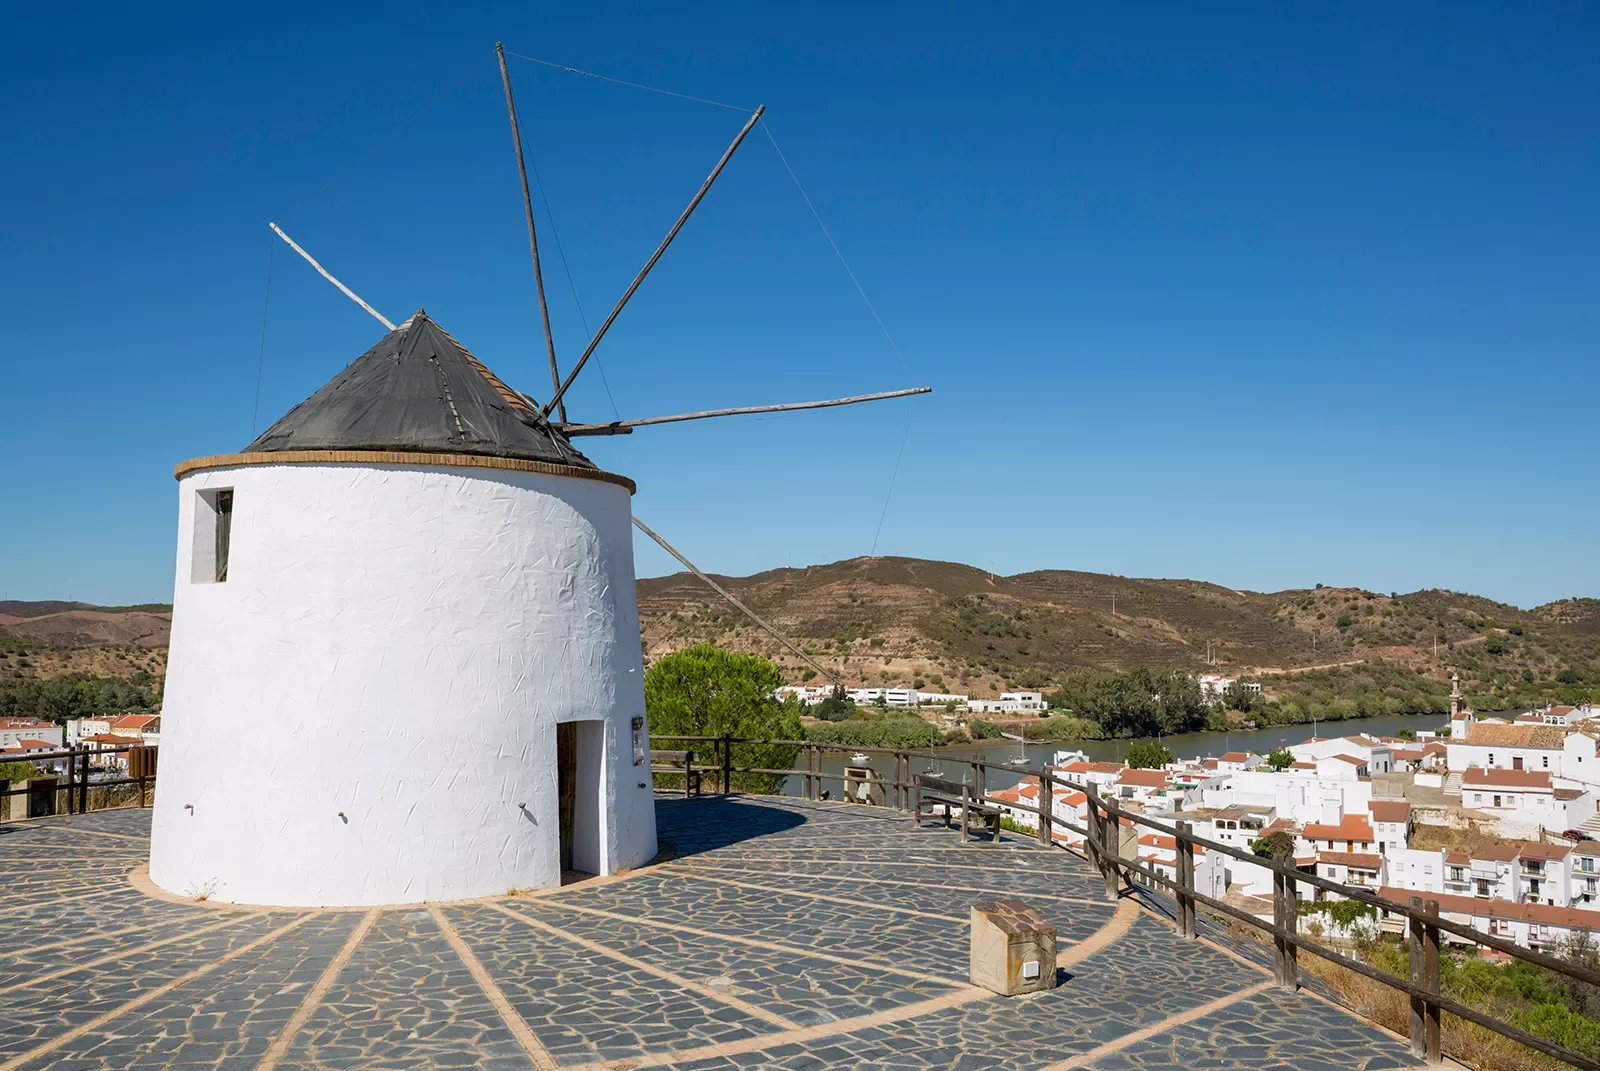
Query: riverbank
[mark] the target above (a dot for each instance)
(905, 730)
(952, 758)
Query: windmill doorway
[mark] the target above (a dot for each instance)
(580, 749)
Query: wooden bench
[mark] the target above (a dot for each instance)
(937, 791)
(678, 764)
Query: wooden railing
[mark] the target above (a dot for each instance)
(76, 783)
(1424, 923)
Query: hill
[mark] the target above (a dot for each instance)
(951, 627)
(946, 626)
(48, 639)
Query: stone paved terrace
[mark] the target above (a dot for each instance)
(778, 934)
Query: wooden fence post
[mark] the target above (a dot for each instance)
(1285, 916)
(1430, 976)
(1186, 919)
(727, 763)
(1111, 835)
(1047, 807)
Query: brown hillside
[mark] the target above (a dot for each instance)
(898, 621)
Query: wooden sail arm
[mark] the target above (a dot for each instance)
(741, 607)
(625, 427)
(533, 234)
(662, 248)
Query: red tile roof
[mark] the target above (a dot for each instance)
(1545, 737)
(1540, 850)
(1144, 778)
(1359, 860)
(1235, 756)
(1389, 810)
(1499, 778)
(1480, 907)
(1353, 827)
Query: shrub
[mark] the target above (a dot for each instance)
(982, 729)
(1279, 845)
(1147, 755)
(707, 691)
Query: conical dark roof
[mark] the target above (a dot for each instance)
(419, 390)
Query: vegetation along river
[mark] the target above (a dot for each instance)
(952, 760)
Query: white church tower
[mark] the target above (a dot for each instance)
(405, 659)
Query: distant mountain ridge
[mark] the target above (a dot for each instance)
(957, 628)
(953, 627)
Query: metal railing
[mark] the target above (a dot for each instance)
(77, 781)
(1424, 924)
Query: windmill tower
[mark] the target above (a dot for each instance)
(405, 660)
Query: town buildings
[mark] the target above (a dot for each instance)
(1536, 886)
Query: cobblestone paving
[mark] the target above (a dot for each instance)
(773, 933)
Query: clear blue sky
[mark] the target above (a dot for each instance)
(1253, 294)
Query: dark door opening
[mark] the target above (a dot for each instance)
(1516, 763)
(580, 747)
(567, 786)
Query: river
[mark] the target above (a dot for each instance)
(1183, 746)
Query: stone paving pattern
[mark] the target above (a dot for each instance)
(773, 933)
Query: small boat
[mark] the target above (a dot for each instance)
(859, 757)
(1017, 761)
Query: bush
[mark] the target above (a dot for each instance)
(1279, 845)
(982, 729)
(17, 771)
(895, 731)
(837, 707)
(1280, 759)
(1059, 729)
(1147, 755)
(707, 691)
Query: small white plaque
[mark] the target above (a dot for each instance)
(1030, 968)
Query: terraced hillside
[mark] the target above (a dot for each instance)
(943, 625)
(904, 621)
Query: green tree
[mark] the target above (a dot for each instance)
(1147, 755)
(1240, 698)
(1280, 759)
(983, 729)
(837, 707)
(17, 771)
(1279, 845)
(707, 691)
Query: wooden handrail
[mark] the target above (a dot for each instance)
(1106, 816)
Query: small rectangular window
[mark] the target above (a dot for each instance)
(213, 535)
(638, 741)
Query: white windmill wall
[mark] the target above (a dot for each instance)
(396, 644)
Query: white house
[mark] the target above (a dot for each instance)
(1373, 753)
(1535, 926)
(83, 728)
(1554, 749)
(13, 731)
(1391, 823)
(1008, 703)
